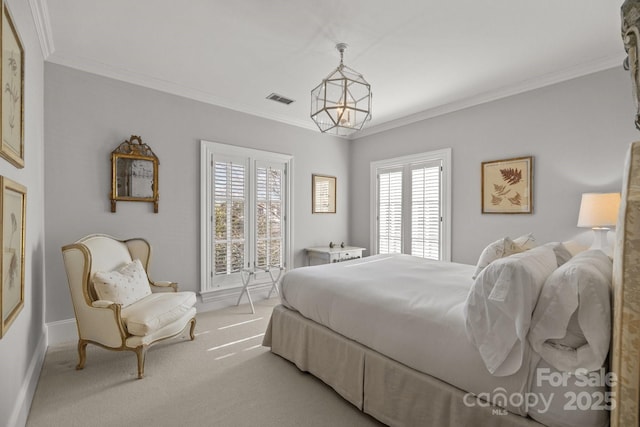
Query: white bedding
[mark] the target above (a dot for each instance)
(578, 293)
(499, 307)
(408, 309)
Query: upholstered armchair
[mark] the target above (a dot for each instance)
(116, 305)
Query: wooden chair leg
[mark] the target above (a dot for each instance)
(193, 327)
(82, 353)
(141, 352)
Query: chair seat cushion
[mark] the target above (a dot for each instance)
(156, 311)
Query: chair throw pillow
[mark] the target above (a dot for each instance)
(124, 286)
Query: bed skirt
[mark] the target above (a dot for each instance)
(383, 388)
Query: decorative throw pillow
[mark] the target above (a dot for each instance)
(124, 286)
(526, 242)
(502, 248)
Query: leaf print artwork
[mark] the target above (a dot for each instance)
(506, 185)
(511, 175)
(13, 262)
(12, 90)
(501, 190)
(516, 200)
(12, 200)
(12, 93)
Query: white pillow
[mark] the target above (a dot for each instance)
(581, 286)
(502, 248)
(124, 286)
(499, 307)
(526, 241)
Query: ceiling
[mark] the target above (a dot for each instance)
(422, 57)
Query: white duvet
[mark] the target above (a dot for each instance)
(406, 308)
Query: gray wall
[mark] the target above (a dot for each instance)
(578, 132)
(88, 116)
(22, 348)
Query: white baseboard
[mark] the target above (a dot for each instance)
(62, 331)
(25, 395)
(221, 298)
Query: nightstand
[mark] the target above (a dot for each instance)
(327, 255)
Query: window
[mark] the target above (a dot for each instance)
(411, 205)
(229, 201)
(245, 212)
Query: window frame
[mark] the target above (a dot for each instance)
(442, 155)
(209, 152)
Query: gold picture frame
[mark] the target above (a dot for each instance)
(12, 124)
(13, 208)
(323, 194)
(134, 173)
(507, 186)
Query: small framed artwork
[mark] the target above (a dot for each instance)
(507, 186)
(13, 203)
(323, 193)
(12, 125)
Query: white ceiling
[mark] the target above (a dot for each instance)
(421, 57)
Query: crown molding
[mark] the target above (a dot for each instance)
(40, 13)
(524, 86)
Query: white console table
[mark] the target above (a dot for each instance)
(325, 254)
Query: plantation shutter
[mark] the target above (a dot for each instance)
(411, 205)
(230, 200)
(390, 211)
(269, 215)
(426, 210)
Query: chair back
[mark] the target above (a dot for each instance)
(99, 252)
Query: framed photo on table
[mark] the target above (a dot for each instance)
(13, 204)
(12, 124)
(507, 186)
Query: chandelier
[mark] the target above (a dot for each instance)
(341, 104)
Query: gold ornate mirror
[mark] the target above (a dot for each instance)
(134, 173)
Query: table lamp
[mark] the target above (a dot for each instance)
(599, 211)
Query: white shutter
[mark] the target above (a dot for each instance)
(390, 211)
(230, 204)
(269, 225)
(426, 210)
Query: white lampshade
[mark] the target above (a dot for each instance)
(599, 210)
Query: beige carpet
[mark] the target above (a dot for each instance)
(223, 378)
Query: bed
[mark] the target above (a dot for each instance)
(403, 353)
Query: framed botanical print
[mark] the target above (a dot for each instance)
(12, 125)
(323, 193)
(507, 186)
(13, 204)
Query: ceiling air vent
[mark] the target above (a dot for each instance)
(279, 98)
